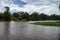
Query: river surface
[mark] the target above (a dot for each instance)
(26, 31)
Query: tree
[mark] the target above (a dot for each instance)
(43, 16)
(34, 16)
(7, 8)
(58, 17)
(53, 17)
(0, 16)
(26, 16)
(21, 14)
(6, 15)
(16, 16)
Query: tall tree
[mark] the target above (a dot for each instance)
(7, 9)
(6, 14)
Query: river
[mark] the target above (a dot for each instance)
(26, 31)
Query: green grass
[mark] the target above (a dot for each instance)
(48, 23)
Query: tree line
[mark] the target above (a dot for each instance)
(25, 16)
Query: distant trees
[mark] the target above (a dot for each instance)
(34, 16)
(24, 15)
(53, 17)
(43, 16)
(17, 16)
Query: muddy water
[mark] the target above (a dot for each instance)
(25, 31)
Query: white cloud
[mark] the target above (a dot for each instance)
(4, 3)
(47, 9)
(40, 1)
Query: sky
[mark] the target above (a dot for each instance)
(41, 6)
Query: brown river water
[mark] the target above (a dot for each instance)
(26, 31)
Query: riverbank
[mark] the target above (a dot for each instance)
(57, 23)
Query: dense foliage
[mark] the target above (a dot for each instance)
(17, 16)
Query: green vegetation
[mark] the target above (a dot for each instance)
(57, 23)
(25, 16)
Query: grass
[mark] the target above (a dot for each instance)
(48, 23)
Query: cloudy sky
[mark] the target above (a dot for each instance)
(40, 6)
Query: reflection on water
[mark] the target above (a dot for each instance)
(25, 31)
(6, 30)
(59, 35)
